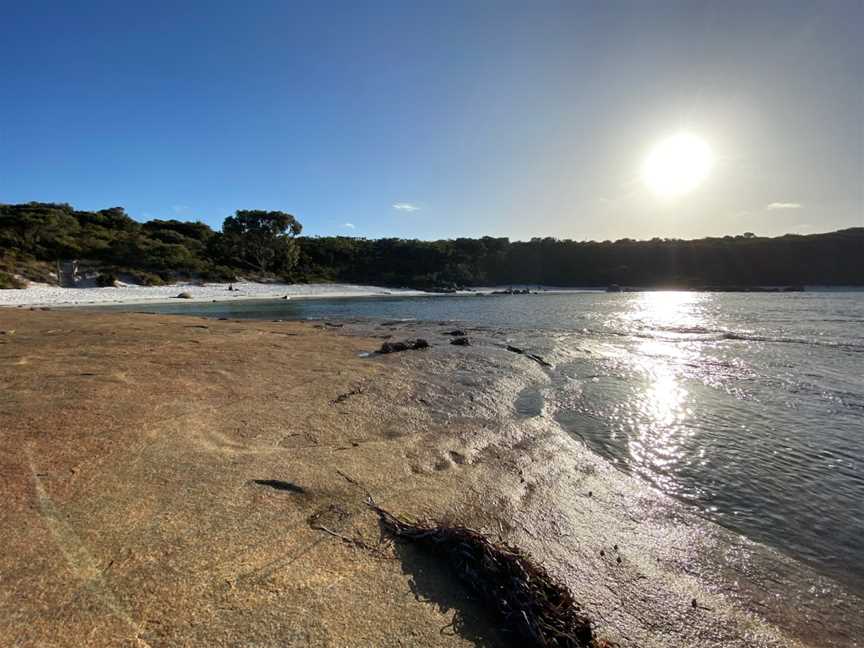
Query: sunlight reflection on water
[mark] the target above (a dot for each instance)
(682, 310)
(747, 407)
(654, 420)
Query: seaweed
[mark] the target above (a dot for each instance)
(536, 607)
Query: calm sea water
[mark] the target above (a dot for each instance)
(748, 406)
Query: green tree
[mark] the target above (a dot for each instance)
(261, 240)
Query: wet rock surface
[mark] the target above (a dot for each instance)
(455, 333)
(129, 443)
(529, 402)
(407, 345)
(536, 358)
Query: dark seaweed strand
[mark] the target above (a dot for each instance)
(532, 603)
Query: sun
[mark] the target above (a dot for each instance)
(677, 165)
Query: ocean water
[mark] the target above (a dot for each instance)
(750, 407)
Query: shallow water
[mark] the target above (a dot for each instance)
(748, 406)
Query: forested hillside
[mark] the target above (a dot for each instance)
(35, 236)
(836, 258)
(258, 244)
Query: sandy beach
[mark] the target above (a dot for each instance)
(47, 295)
(131, 445)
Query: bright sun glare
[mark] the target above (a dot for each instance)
(677, 165)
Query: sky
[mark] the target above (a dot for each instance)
(438, 119)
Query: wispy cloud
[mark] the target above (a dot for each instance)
(404, 206)
(784, 205)
(348, 225)
(180, 209)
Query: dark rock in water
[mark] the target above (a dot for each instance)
(613, 288)
(455, 333)
(461, 341)
(408, 345)
(528, 354)
(184, 295)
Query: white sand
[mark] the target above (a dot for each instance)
(47, 295)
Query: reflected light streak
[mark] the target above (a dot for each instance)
(657, 414)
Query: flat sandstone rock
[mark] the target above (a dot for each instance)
(166, 484)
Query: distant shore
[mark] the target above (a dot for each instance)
(37, 294)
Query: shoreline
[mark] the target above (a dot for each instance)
(45, 295)
(39, 295)
(206, 293)
(137, 475)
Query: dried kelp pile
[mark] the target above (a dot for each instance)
(536, 607)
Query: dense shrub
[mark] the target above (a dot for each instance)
(219, 274)
(143, 278)
(106, 279)
(9, 281)
(256, 242)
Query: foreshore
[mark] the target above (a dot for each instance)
(131, 445)
(47, 295)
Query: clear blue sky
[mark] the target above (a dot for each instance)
(503, 118)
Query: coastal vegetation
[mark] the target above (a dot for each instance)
(35, 238)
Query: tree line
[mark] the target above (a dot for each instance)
(252, 243)
(267, 244)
